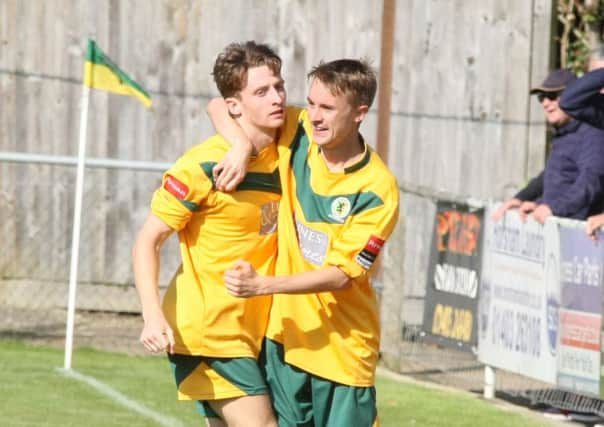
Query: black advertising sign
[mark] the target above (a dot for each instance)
(453, 277)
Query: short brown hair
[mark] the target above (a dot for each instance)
(231, 65)
(352, 77)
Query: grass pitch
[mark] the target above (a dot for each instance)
(36, 393)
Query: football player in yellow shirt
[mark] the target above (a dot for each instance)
(213, 339)
(339, 205)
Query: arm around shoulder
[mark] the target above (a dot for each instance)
(232, 169)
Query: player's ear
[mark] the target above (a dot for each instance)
(234, 106)
(361, 112)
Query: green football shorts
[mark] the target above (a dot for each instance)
(301, 399)
(203, 379)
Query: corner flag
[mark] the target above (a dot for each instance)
(101, 73)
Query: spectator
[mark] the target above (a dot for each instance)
(584, 100)
(571, 100)
(524, 200)
(573, 180)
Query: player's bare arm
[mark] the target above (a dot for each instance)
(232, 169)
(156, 335)
(243, 281)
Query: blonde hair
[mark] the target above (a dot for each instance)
(353, 77)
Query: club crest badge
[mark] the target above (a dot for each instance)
(340, 208)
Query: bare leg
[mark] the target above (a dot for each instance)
(215, 422)
(246, 411)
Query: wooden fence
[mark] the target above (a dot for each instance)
(462, 122)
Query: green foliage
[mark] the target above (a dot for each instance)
(580, 30)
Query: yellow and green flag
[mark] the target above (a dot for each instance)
(101, 73)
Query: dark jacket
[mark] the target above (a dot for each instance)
(573, 182)
(533, 190)
(582, 98)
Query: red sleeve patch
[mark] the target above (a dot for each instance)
(374, 245)
(176, 188)
(370, 252)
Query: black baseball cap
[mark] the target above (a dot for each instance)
(556, 81)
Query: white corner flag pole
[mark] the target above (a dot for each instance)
(75, 240)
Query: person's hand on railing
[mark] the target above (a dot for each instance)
(503, 208)
(593, 224)
(541, 213)
(526, 208)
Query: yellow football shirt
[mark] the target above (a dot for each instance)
(215, 229)
(331, 219)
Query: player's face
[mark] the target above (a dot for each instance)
(262, 101)
(334, 119)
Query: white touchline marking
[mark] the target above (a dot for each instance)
(122, 399)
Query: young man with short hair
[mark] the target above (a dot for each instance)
(339, 205)
(213, 338)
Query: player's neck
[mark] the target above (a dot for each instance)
(259, 137)
(341, 156)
